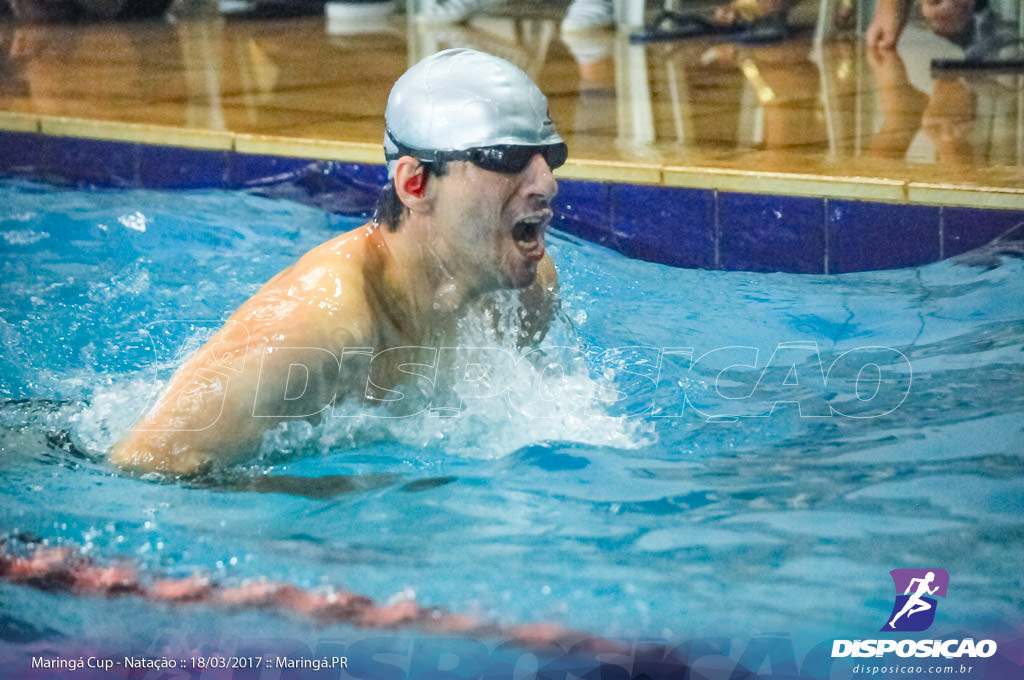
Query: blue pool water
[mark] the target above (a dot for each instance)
(693, 452)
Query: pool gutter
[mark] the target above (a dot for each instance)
(689, 216)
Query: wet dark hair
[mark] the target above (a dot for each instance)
(389, 209)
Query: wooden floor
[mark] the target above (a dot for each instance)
(796, 117)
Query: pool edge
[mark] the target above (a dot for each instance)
(690, 216)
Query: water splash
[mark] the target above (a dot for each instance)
(488, 398)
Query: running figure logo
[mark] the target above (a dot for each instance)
(914, 610)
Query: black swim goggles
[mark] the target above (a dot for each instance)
(509, 159)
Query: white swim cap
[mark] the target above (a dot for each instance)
(463, 99)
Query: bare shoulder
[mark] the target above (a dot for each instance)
(321, 298)
(218, 404)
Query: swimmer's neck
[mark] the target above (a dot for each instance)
(417, 282)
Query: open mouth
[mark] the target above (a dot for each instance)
(529, 233)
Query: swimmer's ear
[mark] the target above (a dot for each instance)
(411, 183)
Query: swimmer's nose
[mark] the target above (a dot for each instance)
(540, 181)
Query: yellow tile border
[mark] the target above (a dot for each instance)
(981, 197)
(293, 147)
(610, 171)
(816, 186)
(19, 122)
(137, 133)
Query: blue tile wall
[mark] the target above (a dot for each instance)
(347, 188)
(366, 177)
(254, 170)
(771, 233)
(678, 226)
(863, 235)
(585, 210)
(967, 228)
(24, 153)
(96, 162)
(664, 224)
(170, 167)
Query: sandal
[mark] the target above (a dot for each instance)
(742, 28)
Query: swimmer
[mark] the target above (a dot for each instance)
(470, 151)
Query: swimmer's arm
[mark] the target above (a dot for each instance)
(218, 405)
(538, 304)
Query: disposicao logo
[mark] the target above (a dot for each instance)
(914, 610)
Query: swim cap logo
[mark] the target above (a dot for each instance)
(914, 609)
